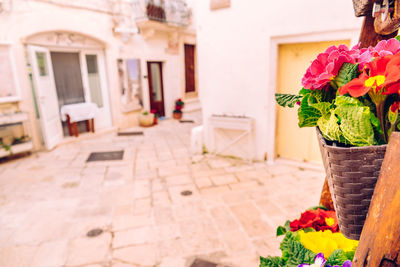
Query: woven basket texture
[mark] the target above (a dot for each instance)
(352, 174)
(363, 7)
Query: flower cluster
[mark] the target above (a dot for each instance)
(178, 106)
(317, 219)
(349, 94)
(320, 261)
(326, 242)
(327, 65)
(309, 235)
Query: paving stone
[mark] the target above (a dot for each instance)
(172, 262)
(134, 236)
(224, 219)
(178, 180)
(18, 256)
(251, 220)
(173, 170)
(170, 248)
(202, 182)
(163, 215)
(145, 255)
(224, 179)
(175, 193)
(88, 250)
(215, 190)
(51, 254)
(140, 200)
(130, 221)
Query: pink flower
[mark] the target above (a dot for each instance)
(327, 65)
(383, 48)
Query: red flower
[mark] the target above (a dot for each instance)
(395, 106)
(317, 219)
(382, 76)
(327, 66)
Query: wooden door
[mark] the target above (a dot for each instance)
(156, 89)
(293, 142)
(45, 87)
(189, 68)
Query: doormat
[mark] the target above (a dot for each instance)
(104, 156)
(186, 121)
(203, 263)
(129, 133)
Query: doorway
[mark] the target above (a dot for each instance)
(69, 86)
(156, 89)
(293, 60)
(189, 69)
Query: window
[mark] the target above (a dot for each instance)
(8, 83)
(42, 64)
(94, 80)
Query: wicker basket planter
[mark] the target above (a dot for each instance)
(352, 174)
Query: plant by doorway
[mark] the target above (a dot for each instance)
(177, 113)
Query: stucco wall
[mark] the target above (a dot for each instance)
(237, 53)
(28, 18)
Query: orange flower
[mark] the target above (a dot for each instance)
(380, 77)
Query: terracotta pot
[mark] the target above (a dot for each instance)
(352, 173)
(155, 122)
(177, 115)
(146, 120)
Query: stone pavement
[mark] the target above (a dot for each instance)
(50, 200)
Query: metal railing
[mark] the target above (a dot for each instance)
(173, 12)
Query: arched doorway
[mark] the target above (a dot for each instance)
(67, 68)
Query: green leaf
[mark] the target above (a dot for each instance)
(346, 73)
(271, 262)
(338, 257)
(330, 129)
(307, 114)
(397, 38)
(323, 107)
(322, 207)
(287, 100)
(398, 126)
(355, 121)
(314, 104)
(308, 229)
(280, 231)
(298, 254)
(392, 116)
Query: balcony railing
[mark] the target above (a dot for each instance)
(173, 12)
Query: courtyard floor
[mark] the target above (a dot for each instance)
(49, 201)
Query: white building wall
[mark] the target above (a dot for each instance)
(29, 18)
(237, 49)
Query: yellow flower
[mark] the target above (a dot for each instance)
(326, 242)
(329, 221)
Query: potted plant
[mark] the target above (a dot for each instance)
(154, 111)
(177, 113)
(352, 97)
(146, 119)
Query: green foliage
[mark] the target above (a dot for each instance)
(321, 207)
(298, 254)
(287, 100)
(346, 73)
(355, 121)
(338, 257)
(271, 262)
(397, 38)
(308, 115)
(281, 230)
